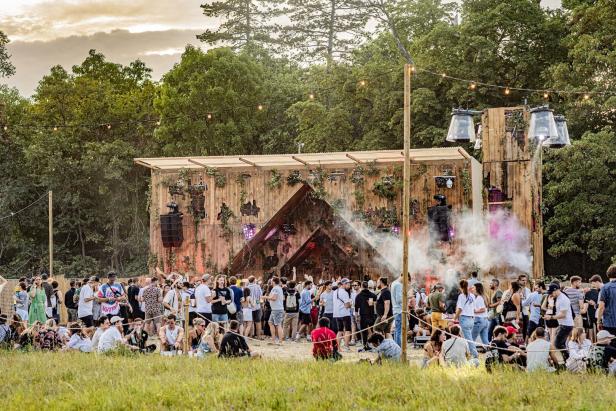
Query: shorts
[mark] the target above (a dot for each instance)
(206, 316)
(88, 320)
(276, 317)
(383, 326)
(155, 316)
(344, 323)
(220, 318)
(239, 316)
(257, 315)
(305, 318)
(438, 321)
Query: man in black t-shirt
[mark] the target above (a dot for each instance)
(364, 306)
(71, 305)
(502, 352)
(384, 318)
(589, 309)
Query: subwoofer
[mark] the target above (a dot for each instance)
(171, 229)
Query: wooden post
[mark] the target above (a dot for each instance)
(186, 324)
(50, 233)
(405, 205)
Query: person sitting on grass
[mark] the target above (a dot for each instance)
(502, 352)
(138, 337)
(324, 342)
(233, 344)
(171, 336)
(455, 351)
(579, 349)
(112, 336)
(538, 352)
(386, 348)
(102, 325)
(79, 341)
(210, 340)
(602, 355)
(432, 348)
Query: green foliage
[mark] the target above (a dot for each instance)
(220, 180)
(6, 68)
(225, 216)
(294, 177)
(275, 181)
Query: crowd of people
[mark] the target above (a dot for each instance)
(527, 326)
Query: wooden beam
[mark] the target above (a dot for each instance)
(300, 160)
(243, 160)
(190, 160)
(144, 164)
(358, 161)
(464, 154)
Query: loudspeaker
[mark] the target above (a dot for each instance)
(171, 229)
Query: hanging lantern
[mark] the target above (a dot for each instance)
(542, 126)
(563, 134)
(462, 127)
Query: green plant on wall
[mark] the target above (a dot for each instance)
(225, 215)
(318, 184)
(388, 187)
(152, 260)
(220, 180)
(467, 184)
(241, 181)
(360, 198)
(294, 177)
(371, 169)
(275, 181)
(357, 176)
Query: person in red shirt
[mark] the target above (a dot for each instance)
(324, 342)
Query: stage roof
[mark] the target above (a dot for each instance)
(271, 161)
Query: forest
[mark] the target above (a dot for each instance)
(326, 74)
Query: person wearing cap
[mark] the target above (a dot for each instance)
(86, 302)
(606, 312)
(436, 303)
(342, 311)
(602, 355)
(564, 315)
(203, 298)
(112, 336)
(110, 295)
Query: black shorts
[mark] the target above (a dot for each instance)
(206, 316)
(257, 315)
(304, 318)
(344, 323)
(88, 320)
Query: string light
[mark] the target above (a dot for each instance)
(260, 107)
(6, 128)
(55, 129)
(507, 91)
(362, 83)
(443, 75)
(473, 85)
(311, 96)
(412, 69)
(586, 96)
(158, 123)
(209, 116)
(546, 95)
(108, 126)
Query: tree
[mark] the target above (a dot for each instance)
(243, 22)
(6, 68)
(324, 30)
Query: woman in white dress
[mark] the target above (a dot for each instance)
(247, 308)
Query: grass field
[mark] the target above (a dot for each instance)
(81, 381)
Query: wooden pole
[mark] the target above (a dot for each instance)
(186, 324)
(405, 205)
(50, 233)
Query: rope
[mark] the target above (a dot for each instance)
(13, 214)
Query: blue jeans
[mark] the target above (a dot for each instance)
(466, 324)
(398, 329)
(494, 322)
(480, 329)
(220, 318)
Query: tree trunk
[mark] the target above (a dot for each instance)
(331, 32)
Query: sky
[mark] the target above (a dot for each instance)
(45, 33)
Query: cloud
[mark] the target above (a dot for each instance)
(160, 50)
(50, 19)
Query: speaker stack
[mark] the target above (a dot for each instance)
(171, 229)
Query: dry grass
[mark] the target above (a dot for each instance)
(82, 381)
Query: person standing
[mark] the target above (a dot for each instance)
(203, 299)
(606, 313)
(436, 303)
(238, 295)
(473, 279)
(397, 305)
(481, 325)
(172, 301)
(86, 302)
(305, 306)
(576, 297)
(465, 313)
(71, 306)
(342, 311)
(38, 300)
(152, 306)
(291, 310)
(221, 299)
(22, 301)
(48, 288)
(524, 293)
(383, 308)
(276, 301)
(564, 315)
(589, 308)
(326, 301)
(534, 301)
(364, 305)
(257, 314)
(110, 295)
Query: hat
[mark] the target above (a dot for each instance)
(115, 319)
(371, 284)
(205, 277)
(511, 330)
(423, 290)
(604, 335)
(345, 281)
(552, 288)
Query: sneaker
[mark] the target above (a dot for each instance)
(352, 343)
(346, 349)
(297, 337)
(308, 338)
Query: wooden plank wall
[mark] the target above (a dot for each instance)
(507, 165)
(204, 248)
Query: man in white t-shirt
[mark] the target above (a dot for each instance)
(276, 300)
(455, 351)
(86, 302)
(564, 315)
(203, 298)
(112, 337)
(538, 352)
(342, 311)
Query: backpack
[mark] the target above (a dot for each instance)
(291, 301)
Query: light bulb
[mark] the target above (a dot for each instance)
(362, 83)
(311, 96)
(260, 107)
(209, 116)
(586, 96)
(546, 95)
(507, 91)
(108, 126)
(473, 86)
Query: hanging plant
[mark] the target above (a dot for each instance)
(294, 177)
(371, 169)
(219, 179)
(318, 184)
(338, 204)
(360, 199)
(224, 216)
(387, 187)
(197, 201)
(357, 176)
(467, 184)
(275, 181)
(241, 180)
(421, 170)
